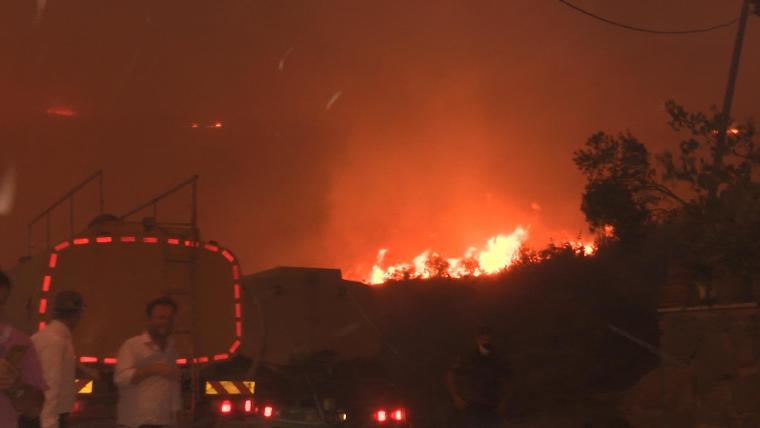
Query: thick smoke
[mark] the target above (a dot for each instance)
(348, 126)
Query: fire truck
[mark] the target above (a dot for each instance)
(281, 348)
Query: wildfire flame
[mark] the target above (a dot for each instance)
(499, 253)
(588, 249)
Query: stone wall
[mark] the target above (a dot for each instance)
(709, 373)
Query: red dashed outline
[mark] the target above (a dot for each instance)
(54, 262)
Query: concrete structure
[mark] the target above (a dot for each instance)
(293, 312)
(710, 374)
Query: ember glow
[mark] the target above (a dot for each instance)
(210, 125)
(497, 255)
(61, 111)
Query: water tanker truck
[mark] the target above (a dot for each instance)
(287, 347)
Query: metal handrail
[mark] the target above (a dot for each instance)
(69, 196)
(154, 202)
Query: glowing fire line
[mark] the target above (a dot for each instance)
(499, 253)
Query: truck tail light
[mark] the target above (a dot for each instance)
(268, 411)
(398, 415)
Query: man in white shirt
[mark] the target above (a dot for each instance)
(56, 352)
(147, 374)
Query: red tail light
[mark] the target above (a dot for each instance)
(248, 406)
(268, 411)
(225, 407)
(399, 415)
(381, 416)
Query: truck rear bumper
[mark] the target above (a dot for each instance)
(271, 424)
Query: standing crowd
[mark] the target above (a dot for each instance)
(37, 374)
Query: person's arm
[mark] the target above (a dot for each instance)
(28, 393)
(51, 352)
(143, 373)
(25, 399)
(28, 400)
(125, 371)
(451, 386)
(128, 374)
(504, 392)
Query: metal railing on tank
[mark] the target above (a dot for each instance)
(192, 182)
(68, 197)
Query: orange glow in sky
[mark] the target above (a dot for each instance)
(61, 111)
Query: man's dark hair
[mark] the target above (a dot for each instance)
(4, 280)
(161, 301)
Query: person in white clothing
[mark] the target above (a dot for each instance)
(56, 352)
(147, 374)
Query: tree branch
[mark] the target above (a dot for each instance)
(667, 192)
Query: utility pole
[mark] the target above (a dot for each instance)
(720, 147)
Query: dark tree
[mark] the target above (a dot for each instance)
(703, 165)
(620, 190)
(718, 216)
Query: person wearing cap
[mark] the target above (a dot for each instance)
(56, 350)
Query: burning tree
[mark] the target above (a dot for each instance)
(437, 266)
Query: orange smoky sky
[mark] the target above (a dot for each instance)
(345, 126)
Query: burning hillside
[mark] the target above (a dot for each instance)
(497, 255)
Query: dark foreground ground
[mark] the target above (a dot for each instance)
(552, 323)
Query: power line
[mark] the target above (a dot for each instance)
(647, 30)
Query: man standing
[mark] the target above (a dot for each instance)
(474, 383)
(21, 382)
(147, 374)
(56, 351)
